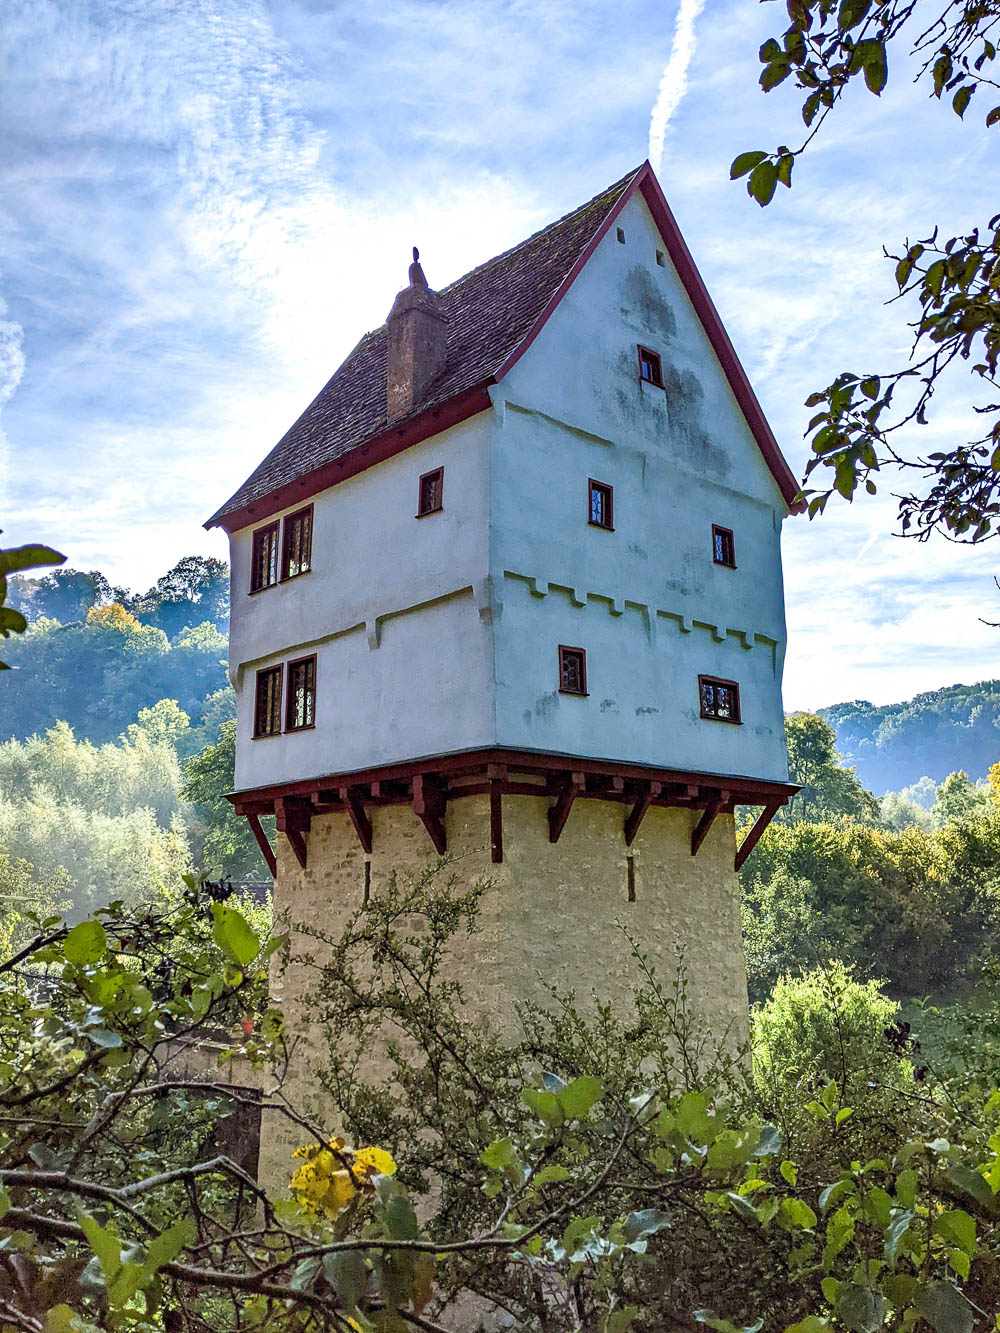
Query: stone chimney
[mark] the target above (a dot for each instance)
(417, 332)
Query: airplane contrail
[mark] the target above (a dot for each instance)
(674, 81)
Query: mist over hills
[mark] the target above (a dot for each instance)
(932, 735)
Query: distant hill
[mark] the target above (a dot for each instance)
(935, 733)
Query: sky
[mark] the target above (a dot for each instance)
(204, 204)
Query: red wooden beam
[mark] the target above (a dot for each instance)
(266, 850)
(496, 776)
(753, 837)
(636, 815)
(715, 803)
(559, 813)
(298, 843)
(355, 807)
(429, 803)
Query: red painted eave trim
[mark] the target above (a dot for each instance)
(648, 186)
(374, 450)
(466, 762)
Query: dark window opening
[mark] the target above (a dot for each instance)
(264, 558)
(621, 235)
(267, 703)
(300, 708)
(720, 699)
(650, 367)
(630, 878)
(431, 492)
(601, 505)
(723, 547)
(296, 552)
(572, 671)
(661, 259)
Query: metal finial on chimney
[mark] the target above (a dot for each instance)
(417, 278)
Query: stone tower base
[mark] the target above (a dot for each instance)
(548, 917)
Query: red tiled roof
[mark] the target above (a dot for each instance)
(490, 311)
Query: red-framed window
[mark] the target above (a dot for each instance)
(431, 494)
(600, 505)
(723, 546)
(267, 703)
(296, 545)
(650, 367)
(300, 694)
(719, 699)
(264, 558)
(572, 670)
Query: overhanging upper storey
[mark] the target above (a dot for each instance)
(491, 317)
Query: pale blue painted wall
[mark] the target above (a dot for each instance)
(679, 460)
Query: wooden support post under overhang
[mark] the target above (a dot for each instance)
(496, 776)
(638, 812)
(266, 850)
(759, 825)
(355, 807)
(429, 803)
(559, 813)
(715, 803)
(293, 817)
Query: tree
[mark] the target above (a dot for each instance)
(829, 791)
(954, 283)
(958, 798)
(65, 595)
(228, 847)
(194, 591)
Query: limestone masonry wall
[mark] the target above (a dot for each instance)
(547, 917)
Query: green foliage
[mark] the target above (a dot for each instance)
(98, 674)
(823, 1029)
(829, 791)
(936, 733)
(954, 284)
(958, 798)
(592, 1169)
(920, 909)
(13, 560)
(227, 845)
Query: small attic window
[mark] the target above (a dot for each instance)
(431, 496)
(661, 259)
(650, 367)
(620, 232)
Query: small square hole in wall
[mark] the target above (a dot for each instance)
(621, 235)
(661, 259)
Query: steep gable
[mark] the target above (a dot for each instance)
(494, 314)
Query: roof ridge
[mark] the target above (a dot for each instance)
(616, 188)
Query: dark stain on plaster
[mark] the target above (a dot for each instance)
(685, 405)
(639, 711)
(546, 704)
(526, 717)
(644, 304)
(609, 705)
(637, 550)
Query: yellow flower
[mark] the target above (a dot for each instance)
(369, 1161)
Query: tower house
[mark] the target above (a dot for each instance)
(510, 589)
